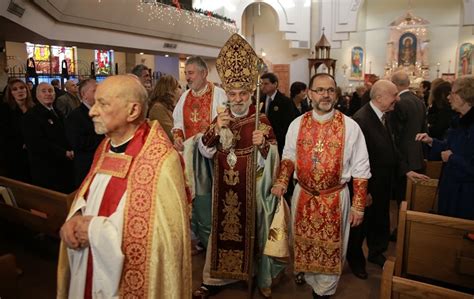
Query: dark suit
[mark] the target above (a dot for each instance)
(281, 113)
(83, 139)
(46, 142)
(409, 119)
(383, 167)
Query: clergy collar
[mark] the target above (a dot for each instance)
(118, 149)
(325, 117)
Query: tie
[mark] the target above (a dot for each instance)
(383, 120)
(267, 104)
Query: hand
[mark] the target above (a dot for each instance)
(67, 232)
(70, 155)
(82, 231)
(417, 176)
(278, 191)
(445, 155)
(368, 200)
(223, 119)
(178, 144)
(423, 137)
(355, 219)
(258, 138)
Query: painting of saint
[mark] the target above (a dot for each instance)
(407, 49)
(465, 59)
(357, 60)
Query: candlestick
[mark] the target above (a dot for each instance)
(449, 66)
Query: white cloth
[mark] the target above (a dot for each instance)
(355, 164)
(105, 238)
(219, 98)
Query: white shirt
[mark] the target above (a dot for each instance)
(377, 111)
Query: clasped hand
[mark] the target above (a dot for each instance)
(74, 232)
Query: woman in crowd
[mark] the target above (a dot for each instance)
(456, 187)
(162, 101)
(440, 113)
(18, 101)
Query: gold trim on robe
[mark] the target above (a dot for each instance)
(197, 112)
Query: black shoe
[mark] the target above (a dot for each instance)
(359, 271)
(378, 260)
(393, 236)
(316, 296)
(299, 278)
(205, 291)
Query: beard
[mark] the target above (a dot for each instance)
(99, 128)
(324, 107)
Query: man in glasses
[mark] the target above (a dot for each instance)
(326, 150)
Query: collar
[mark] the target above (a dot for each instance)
(273, 95)
(403, 91)
(201, 92)
(118, 149)
(376, 110)
(87, 105)
(325, 117)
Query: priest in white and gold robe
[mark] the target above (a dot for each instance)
(127, 233)
(326, 150)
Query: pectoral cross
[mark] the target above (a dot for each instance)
(195, 116)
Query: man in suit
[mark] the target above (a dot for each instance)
(80, 132)
(409, 119)
(49, 152)
(69, 100)
(278, 108)
(372, 119)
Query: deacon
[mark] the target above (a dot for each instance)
(127, 233)
(195, 110)
(326, 149)
(230, 141)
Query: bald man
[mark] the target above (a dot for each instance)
(373, 120)
(49, 152)
(128, 225)
(69, 100)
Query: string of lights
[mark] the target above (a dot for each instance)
(197, 18)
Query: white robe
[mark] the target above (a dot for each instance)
(105, 238)
(355, 164)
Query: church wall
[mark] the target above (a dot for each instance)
(373, 33)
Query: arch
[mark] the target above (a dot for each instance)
(277, 7)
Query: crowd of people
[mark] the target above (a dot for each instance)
(160, 172)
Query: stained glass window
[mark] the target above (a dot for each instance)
(103, 62)
(49, 58)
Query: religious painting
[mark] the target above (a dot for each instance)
(357, 61)
(103, 62)
(407, 49)
(465, 59)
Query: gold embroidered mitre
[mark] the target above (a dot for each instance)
(237, 64)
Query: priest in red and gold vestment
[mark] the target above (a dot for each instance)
(230, 142)
(325, 149)
(193, 114)
(127, 233)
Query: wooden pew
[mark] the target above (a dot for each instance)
(393, 286)
(433, 169)
(8, 277)
(434, 247)
(421, 195)
(38, 209)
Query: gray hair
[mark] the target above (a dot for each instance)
(198, 61)
(138, 69)
(401, 79)
(465, 88)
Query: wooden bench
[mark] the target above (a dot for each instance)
(434, 247)
(38, 209)
(393, 286)
(433, 169)
(421, 195)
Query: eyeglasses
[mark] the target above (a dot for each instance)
(320, 90)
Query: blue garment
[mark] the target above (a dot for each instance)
(456, 187)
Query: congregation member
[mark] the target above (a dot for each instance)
(163, 99)
(57, 88)
(456, 186)
(356, 99)
(374, 123)
(49, 152)
(298, 95)
(230, 142)
(325, 149)
(278, 108)
(18, 101)
(440, 114)
(143, 74)
(193, 114)
(69, 100)
(80, 132)
(127, 233)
